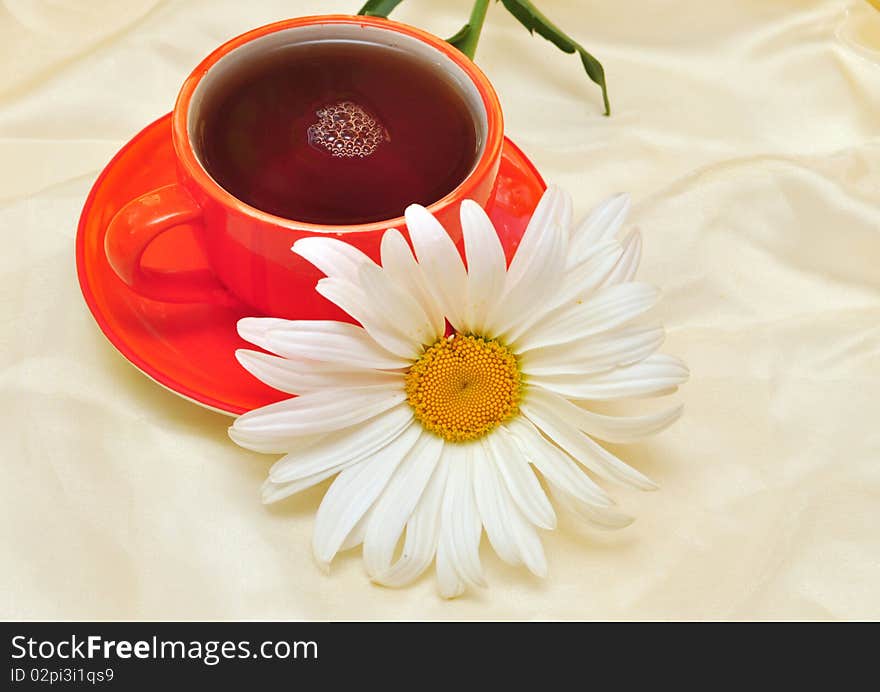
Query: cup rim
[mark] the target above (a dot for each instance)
(196, 171)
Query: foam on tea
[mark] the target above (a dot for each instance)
(337, 132)
(347, 129)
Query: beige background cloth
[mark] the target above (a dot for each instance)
(748, 132)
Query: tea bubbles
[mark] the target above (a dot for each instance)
(347, 129)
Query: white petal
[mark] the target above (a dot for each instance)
(256, 329)
(511, 535)
(628, 264)
(394, 508)
(353, 493)
(277, 444)
(440, 262)
(325, 341)
(608, 428)
(656, 374)
(555, 465)
(529, 543)
(332, 256)
(601, 517)
(379, 325)
(301, 377)
(460, 527)
(612, 349)
(490, 495)
(608, 308)
(407, 315)
(603, 223)
(520, 481)
(275, 492)
(315, 413)
(534, 292)
(584, 277)
(341, 449)
(422, 532)
(584, 449)
(356, 536)
(554, 209)
(401, 266)
(538, 267)
(486, 265)
(331, 454)
(448, 581)
(577, 285)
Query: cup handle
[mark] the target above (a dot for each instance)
(132, 230)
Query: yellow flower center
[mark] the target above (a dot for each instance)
(464, 386)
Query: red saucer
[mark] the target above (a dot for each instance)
(190, 348)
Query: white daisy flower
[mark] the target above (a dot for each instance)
(436, 434)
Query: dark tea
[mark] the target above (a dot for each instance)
(337, 133)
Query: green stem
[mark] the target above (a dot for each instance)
(468, 44)
(379, 8)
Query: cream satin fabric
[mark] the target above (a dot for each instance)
(749, 134)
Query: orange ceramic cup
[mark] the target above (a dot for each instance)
(249, 249)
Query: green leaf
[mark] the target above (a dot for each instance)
(379, 8)
(531, 18)
(460, 36)
(596, 72)
(467, 38)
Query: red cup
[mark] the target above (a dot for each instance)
(249, 249)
